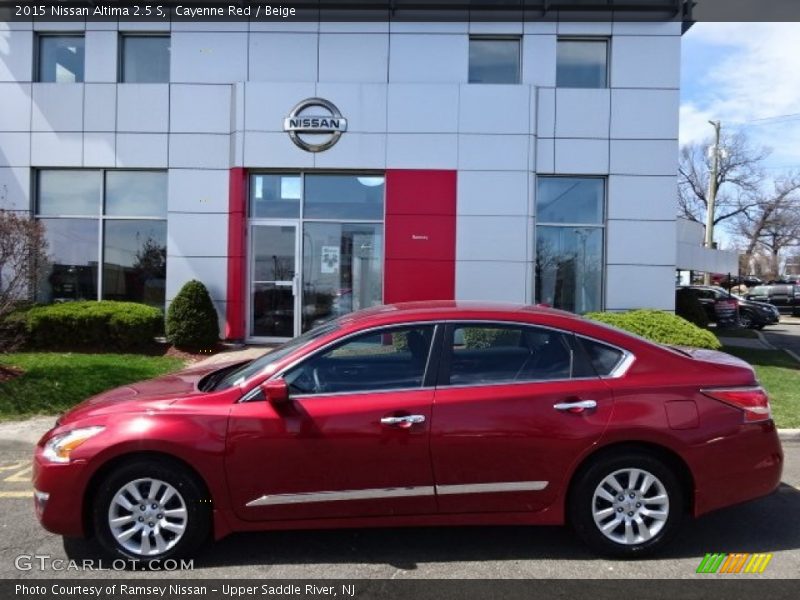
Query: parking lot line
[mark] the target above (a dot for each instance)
(17, 494)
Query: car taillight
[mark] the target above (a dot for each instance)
(753, 401)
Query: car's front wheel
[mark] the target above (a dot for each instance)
(626, 505)
(151, 510)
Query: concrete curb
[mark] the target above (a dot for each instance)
(789, 435)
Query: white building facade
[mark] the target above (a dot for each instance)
(513, 161)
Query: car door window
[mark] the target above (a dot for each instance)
(388, 359)
(487, 354)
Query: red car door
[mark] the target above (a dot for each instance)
(352, 441)
(514, 409)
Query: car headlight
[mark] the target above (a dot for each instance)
(59, 447)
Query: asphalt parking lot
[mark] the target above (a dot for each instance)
(769, 525)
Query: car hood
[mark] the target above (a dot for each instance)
(153, 394)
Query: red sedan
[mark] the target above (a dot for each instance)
(435, 413)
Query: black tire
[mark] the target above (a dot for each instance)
(582, 501)
(746, 320)
(190, 490)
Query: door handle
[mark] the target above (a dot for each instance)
(576, 407)
(403, 422)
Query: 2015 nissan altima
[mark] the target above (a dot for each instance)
(435, 413)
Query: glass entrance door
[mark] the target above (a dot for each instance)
(273, 277)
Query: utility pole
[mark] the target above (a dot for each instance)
(712, 194)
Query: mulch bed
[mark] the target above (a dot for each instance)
(7, 373)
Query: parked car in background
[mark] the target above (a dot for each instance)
(785, 297)
(735, 280)
(429, 413)
(725, 308)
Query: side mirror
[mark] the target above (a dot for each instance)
(276, 391)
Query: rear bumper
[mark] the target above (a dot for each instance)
(58, 495)
(738, 468)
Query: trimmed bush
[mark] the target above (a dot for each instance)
(688, 306)
(192, 319)
(661, 327)
(480, 338)
(93, 325)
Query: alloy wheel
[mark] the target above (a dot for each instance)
(147, 517)
(630, 506)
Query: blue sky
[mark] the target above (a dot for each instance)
(748, 76)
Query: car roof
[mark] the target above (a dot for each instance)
(449, 309)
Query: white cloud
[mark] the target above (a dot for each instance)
(754, 75)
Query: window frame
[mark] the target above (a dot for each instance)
(37, 53)
(606, 40)
(429, 375)
(100, 216)
(497, 38)
(123, 35)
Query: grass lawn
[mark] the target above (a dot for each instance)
(779, 373)
(55, 381)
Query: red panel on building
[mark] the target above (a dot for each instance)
(237, 254)
(420, 192)
(420, 235)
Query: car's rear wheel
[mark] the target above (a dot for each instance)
(151, 510)
(626, 505)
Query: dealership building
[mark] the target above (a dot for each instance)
(302, 170)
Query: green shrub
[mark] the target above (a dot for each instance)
(661, 327)
(688, 306)
(92, 325)
(480, 338)
(192, 319)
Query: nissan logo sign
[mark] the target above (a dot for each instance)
(315, 130)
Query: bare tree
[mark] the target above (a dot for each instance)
(772, 225)
(22, 255)
(739, 178)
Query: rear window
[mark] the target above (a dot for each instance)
(604, 358)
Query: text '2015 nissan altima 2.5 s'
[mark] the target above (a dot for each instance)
(436, 413)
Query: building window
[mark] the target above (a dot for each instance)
(569, 242)
(494, 60)
(60, 59)
(582, 63)
(144, 58)
(106, 234)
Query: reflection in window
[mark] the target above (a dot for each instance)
(570, 200)
(135, 261)
(70, 192)
(343, 197)
(582, 64)
(494, 60)
(72, 260)
(136, 193)
(61, 59)
(342, 269)
(145, 59)
(275, 196)
(569, 267)
(391, 359)
(569, 242)
(129, 239)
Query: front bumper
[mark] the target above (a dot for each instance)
(59, 494)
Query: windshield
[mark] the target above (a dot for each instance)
(246, 371)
